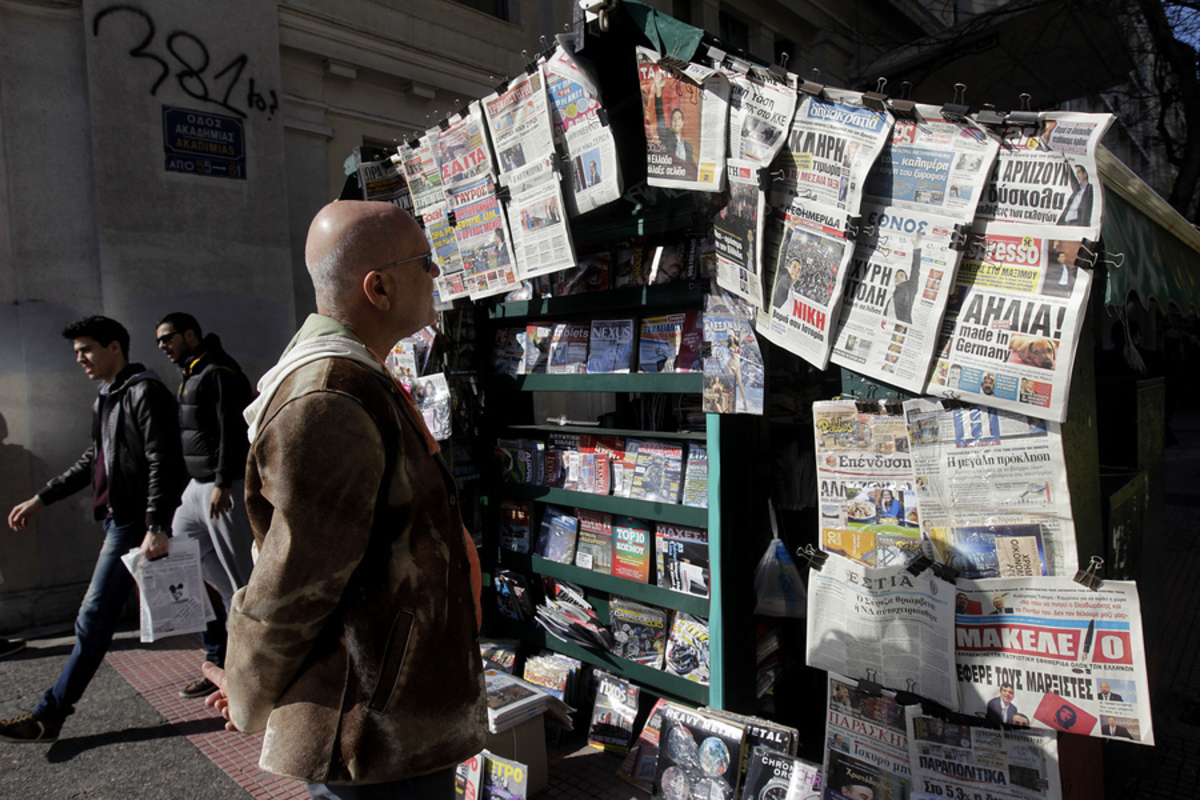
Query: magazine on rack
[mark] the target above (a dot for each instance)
(638, 767)
(658, 346)
(591, 274)
(610, 347)
(687, 648)
(771, 775)
(594, 550)
(695, 477)
(556, 537)
(432, 396)
(632, 545)
(681, 555)
(568, 348)
(734, 373)
(657, 472)
(502, 778)
(613, 713)
(516, 523)
(685, 111)
(699, 756)
(537, 347)
(508, 353)
(639, 632)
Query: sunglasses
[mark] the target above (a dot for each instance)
(427, 265)
(166, 337)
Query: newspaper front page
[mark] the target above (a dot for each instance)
(867, 503)
(886, 625)
(1012, 323)
(1050, 653)
(518, 120)
(685, 108)
(1046, 176)
(582, 132)
(172, 597)
(383, 181)
(897, 286)
(761, 107)
(737, 233)
(951, 761)
(541, 235)
(866, 734)
(481, 233)
(992, 490)
(422, 173)
(452, 280)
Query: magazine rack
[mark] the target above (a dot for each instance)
(729, 606)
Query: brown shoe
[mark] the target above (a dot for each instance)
(28, 728)
(201, 687)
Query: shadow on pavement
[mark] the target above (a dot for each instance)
(66, 749)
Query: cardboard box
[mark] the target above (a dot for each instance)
(526, 743)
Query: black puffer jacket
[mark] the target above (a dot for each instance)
(211, 399)
(137, 422)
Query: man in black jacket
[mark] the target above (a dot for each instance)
(135, 469)
(211, 399)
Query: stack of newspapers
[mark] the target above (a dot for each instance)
(511, 701)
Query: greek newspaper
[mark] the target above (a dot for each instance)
(685, 109)
(831, 146)
(961, 762)
(737, 233)
(1051, 653)
(1012, 324)
(992, 490)
(868, 507)
(582, 132)
(481, 233)
(886, 625)
(1045, 175)
(866, 733)
(171, 592)
(519, 122)
(761, 107)
(541, 235)
(452, 282)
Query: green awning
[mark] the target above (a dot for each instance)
(1161, 249)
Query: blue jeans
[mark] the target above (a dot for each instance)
(96, 623)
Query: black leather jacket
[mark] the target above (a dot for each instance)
(137, 421)
(212, 397)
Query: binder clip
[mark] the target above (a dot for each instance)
(451, 220)
(503, 193)
(444, 123)
(502, 86)
(812, 87)
(765, 177)
(1024, 117)
(919, 564)
(1089, 254)
(853, 228)
(415, 143)
(956, 111)
(902, 106)
(420, 220)
(1090, 577)
(602, 115)
(908, 696)
(876, 100)
(869, 685)
(531, 67)
(988, 115)
(779, 71)
(959, 237)
(816, 558)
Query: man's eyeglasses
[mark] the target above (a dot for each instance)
(166, 337)
(427, 266)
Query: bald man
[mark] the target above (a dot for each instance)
(354, 644)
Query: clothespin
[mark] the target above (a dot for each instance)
(956, 110)
(1024, 117)
(876, 100)
(1090, 577)
(816, 558)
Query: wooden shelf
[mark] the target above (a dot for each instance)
(623, 506)
(648, 382)
(597, 581)
(655, 679)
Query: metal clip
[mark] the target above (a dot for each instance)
(816, 558)
(1090, 577)
(956, 111)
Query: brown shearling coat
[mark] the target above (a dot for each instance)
(355, 642)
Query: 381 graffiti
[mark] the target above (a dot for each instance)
(191, 55)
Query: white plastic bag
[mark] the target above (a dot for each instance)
(777, 582)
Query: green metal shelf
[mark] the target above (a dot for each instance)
(656, 679)
(653, 382)
(608, 584)
(624, 433)
(642, 509)
(625, 301)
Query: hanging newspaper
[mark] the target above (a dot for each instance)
(432, 396)
(885, 625)
(761, 107)
(582, 132)
(932, 166)
(737, 233)
(172, 597)
(1012, 324)
(541, 236)
(992, 490)
(951, 760)
(460, 147)
(1046, 176)
(481, 233)
(422, 174)
(896, 291)
(866, 733)
(685, 110)
(452, 280)
(831, 147)
(1051, 653)
(734, 374)
(518, 120)
(383, 181)
(868, 506)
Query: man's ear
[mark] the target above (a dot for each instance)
(378, 289)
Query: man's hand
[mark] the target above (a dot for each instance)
(218, 699)
(220, 502)
(155, 545)
(19, 517)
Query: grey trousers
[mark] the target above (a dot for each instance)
(225, 542)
